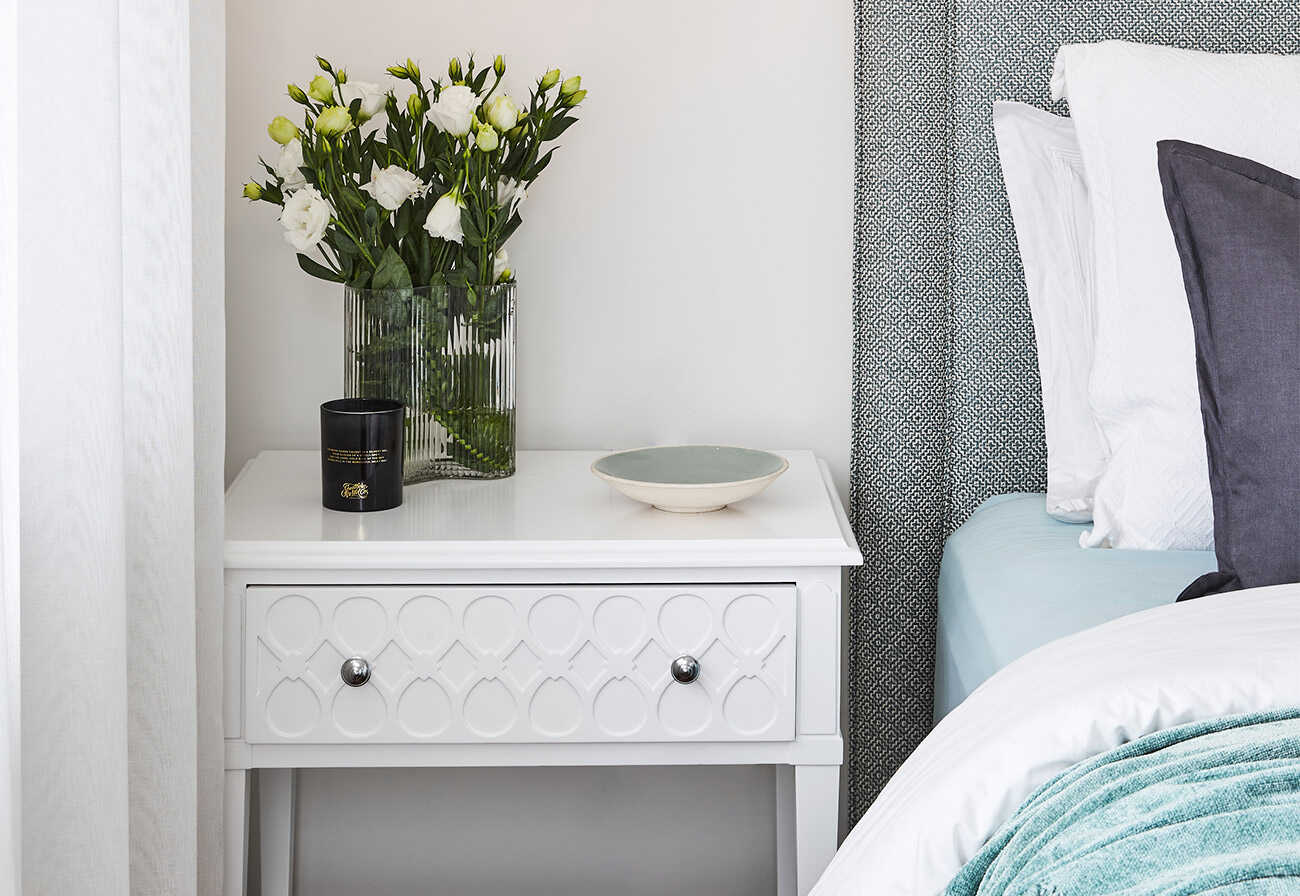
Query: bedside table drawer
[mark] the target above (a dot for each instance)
(519, 664)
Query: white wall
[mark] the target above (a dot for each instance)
(684, 272)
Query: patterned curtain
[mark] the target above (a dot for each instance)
(947, 407)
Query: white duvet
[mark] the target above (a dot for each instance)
(1056, 706)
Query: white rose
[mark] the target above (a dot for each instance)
(286, 167)
(454, 110)
(444, 217)
(392, 186)
(510, 192)
(500, 263)
(306, 216)
(373, 97)
(502, 112)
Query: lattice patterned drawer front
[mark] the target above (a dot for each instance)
(519, 664)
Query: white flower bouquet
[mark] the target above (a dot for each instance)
(413, 193)
(408, 204)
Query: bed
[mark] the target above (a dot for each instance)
(1052, 662)
(1013, 579)
(947, 401)
(1080, 697)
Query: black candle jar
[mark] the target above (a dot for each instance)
(361, 454)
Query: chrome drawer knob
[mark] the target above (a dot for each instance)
(685, 669)
(355, 672)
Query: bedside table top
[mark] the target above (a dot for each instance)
(553, 513)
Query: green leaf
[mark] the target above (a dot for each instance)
(355, 199)
(530, 176)
(403, 224)
(511, 226)
(391, 272)
(426, 257)
(345, 244)
(316, 269)
(557, 126)
(473, 235)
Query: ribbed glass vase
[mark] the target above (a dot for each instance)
(448, 354)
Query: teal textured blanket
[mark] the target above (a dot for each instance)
(1209, 807)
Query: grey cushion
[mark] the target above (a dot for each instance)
(1237, 226)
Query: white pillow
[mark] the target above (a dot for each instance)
(1043, 171)
(1154, 492)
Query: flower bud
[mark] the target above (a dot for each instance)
(252, 191)
(550, 79)
(398, 71)
(502, 112)
(323, 63)
(570, 85)
(516, 133)
(574, 98)
(296, 94)
(321, 89)
(487, 139)
(282, 130)
(499, 65)
(453, 69)
(415, 105)
(342, 76)
(413, 69)
(332, 121)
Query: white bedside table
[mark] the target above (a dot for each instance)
(538, 620)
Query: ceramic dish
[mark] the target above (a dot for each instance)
(690, 478)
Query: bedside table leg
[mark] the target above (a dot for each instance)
(275, 793)
(807, 824)
(235, 823)
(787, 880)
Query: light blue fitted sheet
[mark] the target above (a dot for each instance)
(1013, 579)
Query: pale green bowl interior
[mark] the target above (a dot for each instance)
(690, 464)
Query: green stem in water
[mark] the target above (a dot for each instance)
(476, 453)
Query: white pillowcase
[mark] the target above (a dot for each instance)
(1154, 492)
(1043, 171)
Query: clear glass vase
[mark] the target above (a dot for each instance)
(448, 354)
